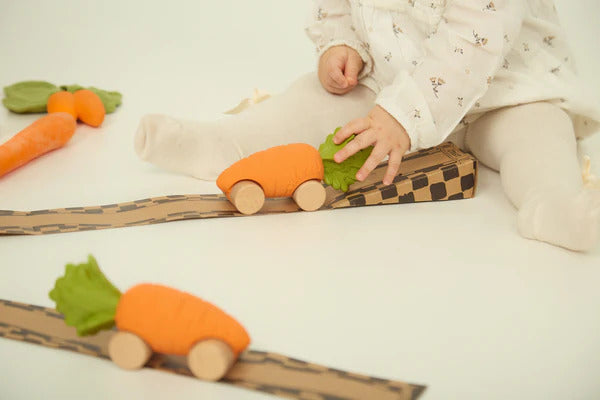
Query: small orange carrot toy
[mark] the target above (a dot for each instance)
(84, 105)
(290, 170)
(45, 134)
(62, 101)
(89, 107)
(149, 318)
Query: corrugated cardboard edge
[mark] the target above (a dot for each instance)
(451, 175)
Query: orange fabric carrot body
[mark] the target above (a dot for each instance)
(62, 102)
(278, 170)
(84, 105)
(89, 107)
(45, 134)
(171, 321)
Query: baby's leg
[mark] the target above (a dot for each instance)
(534, 149)
(305, 112)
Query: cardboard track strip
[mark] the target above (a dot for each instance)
(436, 174)
(256, 370)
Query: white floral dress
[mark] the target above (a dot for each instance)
(437, 65)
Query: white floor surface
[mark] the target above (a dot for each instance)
(446, 294)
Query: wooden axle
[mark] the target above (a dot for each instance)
(128, 350)
(248, 197)
(310, 195)
(208, 359)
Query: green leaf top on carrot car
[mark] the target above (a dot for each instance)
(341, 175)
(85, 297)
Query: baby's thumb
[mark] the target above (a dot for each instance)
(335, 73)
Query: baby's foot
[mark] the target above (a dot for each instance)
(572, 221)
(188, 147)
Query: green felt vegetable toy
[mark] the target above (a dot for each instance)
(28, 97)
(32, 96)
(341, 175)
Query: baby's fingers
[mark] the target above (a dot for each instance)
(361, 141)
(379, 152)
(393, 166)
(337, 77)
(353, 127)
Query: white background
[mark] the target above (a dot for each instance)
(445, 294)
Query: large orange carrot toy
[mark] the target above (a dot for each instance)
(43, 135)
(149, 318)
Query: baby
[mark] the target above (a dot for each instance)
(496, 77)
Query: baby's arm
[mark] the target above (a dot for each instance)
(343, 59)
(461, 59)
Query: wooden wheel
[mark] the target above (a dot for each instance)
(210, 359)
(247, 196)
(128, 350)
(310, 195)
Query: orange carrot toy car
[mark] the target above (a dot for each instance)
(294, 170)
(149, 318)
(290, 170)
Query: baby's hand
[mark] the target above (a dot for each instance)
(381, 130)
(338, 69)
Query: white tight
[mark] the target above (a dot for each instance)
(532, 146)
(305, 112)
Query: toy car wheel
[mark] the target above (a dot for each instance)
(310, 195)
(247, 196)
(128, 350)
(210, 359)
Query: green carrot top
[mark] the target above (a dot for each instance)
(86, 298)
(341, 175)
